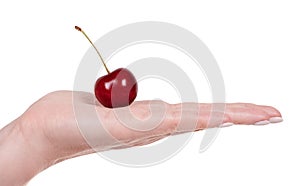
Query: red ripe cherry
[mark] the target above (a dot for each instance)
(116, 89)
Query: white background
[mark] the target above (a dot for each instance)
(256, 44)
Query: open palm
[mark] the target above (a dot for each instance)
(62, 118)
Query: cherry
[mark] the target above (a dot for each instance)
(116, 89)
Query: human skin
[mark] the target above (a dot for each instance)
(48, 132)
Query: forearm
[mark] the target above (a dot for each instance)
(20, 157)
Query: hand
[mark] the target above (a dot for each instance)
(48, 131)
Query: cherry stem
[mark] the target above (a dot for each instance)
(80, 30)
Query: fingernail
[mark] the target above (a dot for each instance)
(275, 119)
(264, 122)
(228, 124)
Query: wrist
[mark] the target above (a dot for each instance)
(22, 155)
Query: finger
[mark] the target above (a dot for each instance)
(245, 113)
(193, 116)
